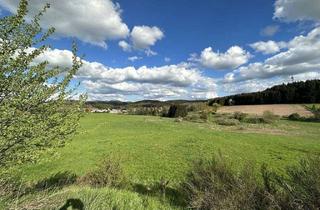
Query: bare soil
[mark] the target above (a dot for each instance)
(278, 109)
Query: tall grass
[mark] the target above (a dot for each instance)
(214, 184)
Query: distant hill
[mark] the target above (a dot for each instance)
(143, 103)
(296, 92)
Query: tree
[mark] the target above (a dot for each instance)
(36, 112)
(177, 111)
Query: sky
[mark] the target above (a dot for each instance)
(181, 49)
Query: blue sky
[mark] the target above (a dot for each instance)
(182, 49)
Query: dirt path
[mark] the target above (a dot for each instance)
(278, 109)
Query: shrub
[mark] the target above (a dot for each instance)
(193, 117)
(254, 120)
(227, 122)
(108, 174)
(177, 111)
(269, 117)
(239, 116)
(197, 107)
(301, 185)
(215, 185)
(204, 115)
(294, 116)
(208, 184)
(215, 107)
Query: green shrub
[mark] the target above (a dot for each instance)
(215, 185)
(316, 113)
(254, 120)
(215, 107)
(204, 115)
(227, 122)
(177, 111)
(200, 106)
(269, 117)
(239, 116)
(301, 185)
(108, 174)
(193, 118)
(294, 116)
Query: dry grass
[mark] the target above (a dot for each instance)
(278, 109)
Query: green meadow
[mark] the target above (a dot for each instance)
(151, 149)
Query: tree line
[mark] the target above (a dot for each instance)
(296, 92)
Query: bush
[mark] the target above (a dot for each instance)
(108, 174)
(294, 116)
(193, 117)
(215, 107)
(204, 115)
(227, 122)
(254, 120)
(177, 111)
(239, 116)
(301, 185)
(215, 185)
(269, 117)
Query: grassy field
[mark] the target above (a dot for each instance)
(154, 148)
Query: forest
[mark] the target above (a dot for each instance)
(291, 93)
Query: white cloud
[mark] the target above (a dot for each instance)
(233, 58)
(297, 10)
(150, 52)
(125, 46)
(259, 84)
(302, 56)
(179, 81)
(93, 21)
(166, 59)
(269, 30)
(143, 37)
(269, 47)
(134, 58)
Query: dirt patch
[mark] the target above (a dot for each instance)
(278, 109)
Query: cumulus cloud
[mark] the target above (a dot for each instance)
(269, 30)
(302, 56)
(259, 84)
(125, 46)
(298, 59)
(143, 37)
(234, 57)
(163, 82)
(93, 21)
(269, 47)
(297, 10)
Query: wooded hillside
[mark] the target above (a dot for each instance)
(296, 92)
